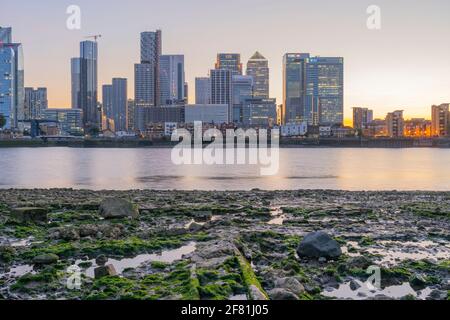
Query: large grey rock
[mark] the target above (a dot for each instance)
(101, 260)
(281, 294)
(105, 271)
(30, 214)
(48, 258)
(291, 284)
(111, 208)
(319, 244)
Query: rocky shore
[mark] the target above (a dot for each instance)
(296, 245)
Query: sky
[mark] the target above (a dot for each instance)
(404, 65)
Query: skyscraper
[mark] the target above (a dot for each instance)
(35, 103)
(75, 71)
(229, 61)
(120, 104)
(222, 89)
(7, 87)
(172, 79)
(88, 84)
(144, 89)
(313, 89)
(202, 90)
(325, 89)
(242, 91)
(258, 68)
(12, 91)
(293, 87)
(440, 120)
(107, 93)
(147, 72)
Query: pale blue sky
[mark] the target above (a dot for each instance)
(404, 65)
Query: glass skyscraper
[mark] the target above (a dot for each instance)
(242, 90)
(222, 89)
(172, 79)
(202, 90)
(258, 68)
(147, 72)
(89, 84)
(75, 71)
(12, 91)
(120, 104)
(7, 87)
(313, 89)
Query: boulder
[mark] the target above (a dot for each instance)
(291, 284)
(282, 294)
(112, 208)
(104, 271)
(30, 214)
(48, 258)
(354, 285)
(319, 244)
(194, 227)
(101, 260)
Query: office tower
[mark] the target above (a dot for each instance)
(325, 89)
(395, 124)
(7, 85)
(258, 68)
(131, 110)
(107, 98)
(75, 71)
(440, 120)
(222, 89)
(70, 121)
(361, 118)
(12, 90)
(202, 90)
(88, 101)
(229, 61)
(120, 104)
(147, 72)
(260, 112)
(5, 35)
(35, 103)
(242, 90)
(293, 88)
(172, 79)
(144, 90)
(313, 89)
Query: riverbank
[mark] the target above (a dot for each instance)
(222, 245)
(284, 143)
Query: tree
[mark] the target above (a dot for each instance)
(2, 121)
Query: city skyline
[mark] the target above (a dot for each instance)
(376, 76)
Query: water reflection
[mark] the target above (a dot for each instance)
(343, 168)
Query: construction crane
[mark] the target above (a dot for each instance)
(95, 37)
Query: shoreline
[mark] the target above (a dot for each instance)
(284, 143)
(202, 245)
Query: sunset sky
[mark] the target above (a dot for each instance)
(405, 65)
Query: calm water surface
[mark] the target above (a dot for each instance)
(348, 169)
